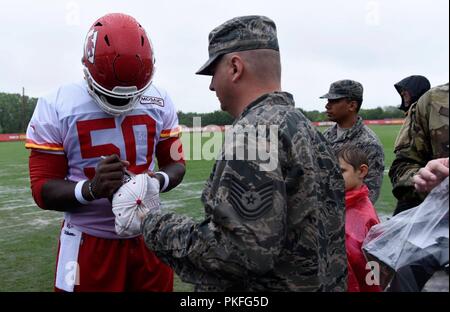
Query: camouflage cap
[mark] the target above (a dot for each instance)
(344, 89)
(240, 34)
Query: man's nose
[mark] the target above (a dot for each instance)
(211, 87)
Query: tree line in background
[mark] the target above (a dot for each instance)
(221, 118)
(16, 111)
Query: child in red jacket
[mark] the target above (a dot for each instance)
(360, 216)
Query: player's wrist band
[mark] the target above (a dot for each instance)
(79, 194)
(166, 180)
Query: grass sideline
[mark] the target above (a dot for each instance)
(29, 235)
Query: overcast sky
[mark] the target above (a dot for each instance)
(377, 42)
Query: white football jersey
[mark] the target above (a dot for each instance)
(70, 123)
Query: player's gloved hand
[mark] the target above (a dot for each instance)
(108, 177)
(133, 201)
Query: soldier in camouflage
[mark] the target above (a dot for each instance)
(265, 229)
(344, 101)
(410, 89)
(423, 137)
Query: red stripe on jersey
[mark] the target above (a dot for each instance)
(171, 133)
(44, 167)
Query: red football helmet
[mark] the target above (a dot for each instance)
(118, 62)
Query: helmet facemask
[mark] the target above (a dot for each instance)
(116, 102)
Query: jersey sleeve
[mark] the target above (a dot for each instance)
(171, 128)
(43, 132)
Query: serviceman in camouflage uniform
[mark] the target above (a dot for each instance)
(344, 102)
(265, 229)
(410, 89)
(423, 137)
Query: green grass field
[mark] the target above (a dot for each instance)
(29, 235)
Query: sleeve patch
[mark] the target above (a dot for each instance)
(251, 202)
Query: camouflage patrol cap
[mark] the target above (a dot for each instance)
(240, 34)
(344, 89)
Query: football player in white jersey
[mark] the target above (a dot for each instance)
(83, 137)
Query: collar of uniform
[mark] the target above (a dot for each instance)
(356, 129)
(353, 131)
(279, 98)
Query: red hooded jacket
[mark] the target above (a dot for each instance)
(360, 216)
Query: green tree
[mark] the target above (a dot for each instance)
(15, 112)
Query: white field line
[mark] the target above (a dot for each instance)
(14, 191)
(39, 211)
(10, 201)
(172, 201)
(45, 222)
(187, 184)
(15, 166)
(181, 194)
(15, 207)
(37, 222)
(27, 179)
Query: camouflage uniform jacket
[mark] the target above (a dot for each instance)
(363, 137)
(423, 137)
(278, 230)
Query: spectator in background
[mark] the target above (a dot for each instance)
(423, 137)
(411, 89)
(360, 215)
(345, 98)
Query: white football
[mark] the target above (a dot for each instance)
(132, 201)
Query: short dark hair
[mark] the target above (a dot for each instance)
(352, 155)
(359, 103)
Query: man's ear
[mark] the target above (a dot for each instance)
(363, 171)
(236, 67)
(353, 105)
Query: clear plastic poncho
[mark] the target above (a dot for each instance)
(412, 245)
